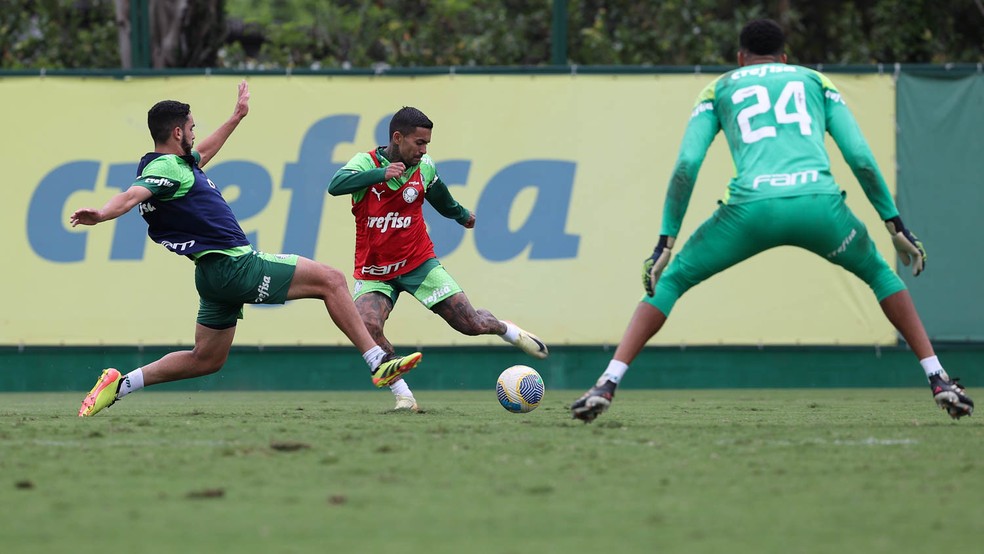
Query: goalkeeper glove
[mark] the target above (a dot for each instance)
(653, 266)
(909, 247)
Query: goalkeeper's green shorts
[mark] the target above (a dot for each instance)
(820, 223)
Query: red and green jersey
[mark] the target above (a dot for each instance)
(774, 117)
(390, 233)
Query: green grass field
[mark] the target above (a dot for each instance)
(664, 471)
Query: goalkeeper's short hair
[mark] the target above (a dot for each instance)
(762, 37)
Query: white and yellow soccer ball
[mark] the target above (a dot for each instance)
(520, 389)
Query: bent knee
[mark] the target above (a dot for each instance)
(208, 364)
(333, 278)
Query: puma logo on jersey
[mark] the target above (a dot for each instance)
(378, 193)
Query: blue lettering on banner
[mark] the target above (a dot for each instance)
(255, 191)
(308, 178)
(47, 231)
(543, 231)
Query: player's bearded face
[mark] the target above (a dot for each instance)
(188, 136)
(186, 144)
(414, 146)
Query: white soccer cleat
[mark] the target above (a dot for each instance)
(405, 403)
(530, 343)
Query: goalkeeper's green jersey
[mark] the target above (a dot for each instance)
(774, 117)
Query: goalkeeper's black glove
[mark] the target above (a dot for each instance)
(909, 247)
(653, 266)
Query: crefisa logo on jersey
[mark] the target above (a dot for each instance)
(410, 194)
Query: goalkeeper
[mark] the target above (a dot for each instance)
(774, 117)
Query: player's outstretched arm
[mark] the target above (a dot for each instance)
(212, 143)
(117, 206)
(844, 129)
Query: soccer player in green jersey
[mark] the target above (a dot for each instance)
(774, 117)
(187, 214)
(393, 251)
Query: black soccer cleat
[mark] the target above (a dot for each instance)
(594, 402)
(950, 396)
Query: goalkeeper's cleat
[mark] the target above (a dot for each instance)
(103, 394)
(392, 367)
(950, 396)
(405, 403)
(530, 343)
(594, 402)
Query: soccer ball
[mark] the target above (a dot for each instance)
(520, 389)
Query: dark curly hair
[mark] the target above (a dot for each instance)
(762, 37)
(407, 120)
(164, 117)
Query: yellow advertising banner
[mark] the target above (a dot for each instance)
(566, 174)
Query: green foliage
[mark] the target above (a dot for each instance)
(58, 34)
(365, 33)
(397, 33)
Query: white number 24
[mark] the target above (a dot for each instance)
(793, 90)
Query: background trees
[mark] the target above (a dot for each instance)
(401, 33)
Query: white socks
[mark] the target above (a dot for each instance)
(613, 372)
(400, 388)
(131, 382)
(512, 332)
(374, 356)
(932, 366)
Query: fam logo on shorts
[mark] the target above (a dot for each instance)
(358, 286)
(410, 194)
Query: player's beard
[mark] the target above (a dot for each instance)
(186, 146)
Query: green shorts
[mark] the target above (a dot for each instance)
(225, 283)
(820, 223)
(429, 283)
